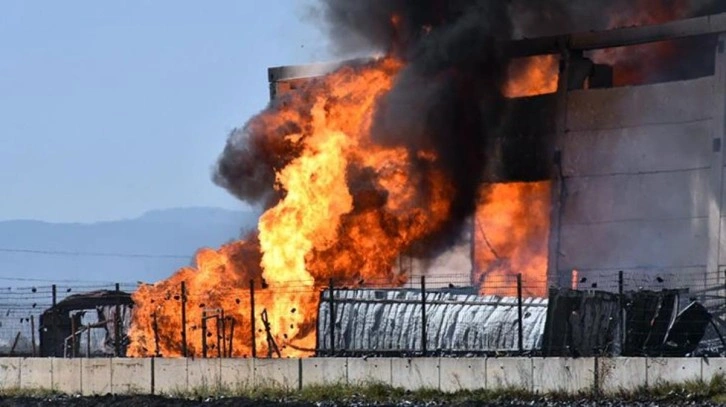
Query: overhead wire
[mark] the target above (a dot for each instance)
(93, 254)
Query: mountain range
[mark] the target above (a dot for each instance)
(148, 248)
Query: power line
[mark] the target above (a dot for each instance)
(55, 280)
(94, 254)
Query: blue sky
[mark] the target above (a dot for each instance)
(110, 109)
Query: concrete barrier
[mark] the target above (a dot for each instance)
(36, 373)
(236, 374)
(563, 375)
(277, 373)
(506, 373)
(96, 376)
(9, 373)
(672, 370)
(66, 375)
(170, 376)
(462, 374)
(324, 371)
(204, 374)
(712, 367)
(416, 373)
(369, 370)
(616, 374)
(130, 376)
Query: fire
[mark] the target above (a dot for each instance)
(324, 226)
(633, 65)
(347, 208)
(511, 234)
(532, 76)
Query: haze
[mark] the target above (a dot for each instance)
(116, 112)
(111, 109)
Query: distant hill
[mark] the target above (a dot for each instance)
(176, 232)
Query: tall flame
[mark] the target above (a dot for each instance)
(511, 235)
(348, 208)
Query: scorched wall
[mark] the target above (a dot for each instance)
(638, 186)
(642, 186)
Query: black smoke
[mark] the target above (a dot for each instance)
(448, 97)
(554, 17)
(648, 63)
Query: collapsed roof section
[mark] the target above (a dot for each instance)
(389, 322)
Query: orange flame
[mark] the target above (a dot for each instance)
(511, 235)
(532, 76)
(314, 233)
(325, 226)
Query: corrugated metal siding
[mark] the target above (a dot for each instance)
(369, 321)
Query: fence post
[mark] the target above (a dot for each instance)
(156, 335)
(252, 318)
(88, 341)
(231, 337)
(219, 337)
(520, 333)
(117, 321)
(185, 350)
(332, 319)
(32, 332)
(74, 328)
(423, 315)
(621, 307)
(204, 334)
(221, 321)
(55, 337)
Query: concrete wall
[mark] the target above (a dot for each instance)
(638, 184)
(169, 376)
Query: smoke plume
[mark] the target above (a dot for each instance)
(448, 99)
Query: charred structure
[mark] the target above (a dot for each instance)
(107, 314)
(465, 153)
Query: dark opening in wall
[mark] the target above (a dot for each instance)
(665, 61)
(522, 150)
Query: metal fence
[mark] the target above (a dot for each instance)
(631, 312)
(21, 309)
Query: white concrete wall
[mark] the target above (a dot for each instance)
(9, 373)
(170, 376)
(130, 376)
(637, 163)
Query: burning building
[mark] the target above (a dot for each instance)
(482, 144)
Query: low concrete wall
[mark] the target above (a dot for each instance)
(97, 376)
(9, 373)
(131, 376)
(67, 375)
(170, 376)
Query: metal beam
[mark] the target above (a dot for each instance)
(587, 41)
(281, 73)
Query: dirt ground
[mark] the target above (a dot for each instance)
(162, 401)
(119, 401)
